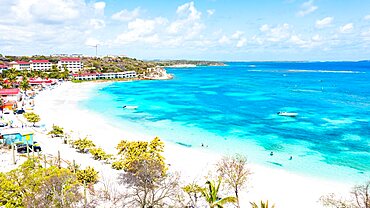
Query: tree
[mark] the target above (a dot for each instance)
(210, 193)
(24, 85)
(359, 198)
(149, 187)
(57, 131)
(263, 205)
(194, 192)
(32, 185)
(233, 170)
(32, 117)
(83, 144)
(87, 176)
(133, 151)
(100, 154)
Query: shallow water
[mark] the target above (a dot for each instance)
(232, 109)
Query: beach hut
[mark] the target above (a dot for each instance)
(17, 136)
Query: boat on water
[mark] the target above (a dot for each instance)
(130, 106)
(289, 114)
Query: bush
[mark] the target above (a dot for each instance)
(118, 165)
(57, 131)
(83, 144)
(89, 175)
(32, 117)
(99, 154)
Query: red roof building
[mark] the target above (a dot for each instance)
(6, 92)
(39, 61)
(33, 81)
(70, 59)
(73, 65)
(3, 66)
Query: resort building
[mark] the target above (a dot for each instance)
(10, 94)
(20, 65)
(111, 75)
(17, 135)
(40, 65)
(3, 67)
(73, 65)
(39, 81)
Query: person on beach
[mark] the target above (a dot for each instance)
(271, 153)
(291, 158)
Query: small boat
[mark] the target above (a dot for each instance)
(130, 106)
(287, 114)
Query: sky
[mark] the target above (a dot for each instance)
(223, 30)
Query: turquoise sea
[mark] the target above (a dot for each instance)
(233, 109)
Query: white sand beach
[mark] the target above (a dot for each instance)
(59, 107)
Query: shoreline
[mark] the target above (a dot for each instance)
(61, 108)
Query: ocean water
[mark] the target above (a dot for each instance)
(233, 109)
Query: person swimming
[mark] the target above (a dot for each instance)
(291, 158)
(271, 153)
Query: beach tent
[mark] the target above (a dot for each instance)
(17, 135)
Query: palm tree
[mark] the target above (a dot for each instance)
(25, 85)
(11, 74)
(263, 205)
(211, 195)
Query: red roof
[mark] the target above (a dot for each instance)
(40, 81)
(3, 66)
(22, 62)
(86, 74)
(40, 61)
(70, 59)
(13, 91)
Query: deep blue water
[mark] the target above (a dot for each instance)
(232, 109)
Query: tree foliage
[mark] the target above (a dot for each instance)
(211, 195)
(100, 154)
(149, 186)
(87, 176)
(359, 198)
(194, 192)
(83, 144)
(56, 131)
(234, 172)
(134, 151)
(32, 185)
(262, 205)
(32, 117)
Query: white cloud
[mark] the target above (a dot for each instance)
(99, 5)
(146, 26)
(142, 30)
(224, 40)
(316, 38)
(35, 10)
(367, 17)
(297, 40)
(276, 34)
(307, 8)
(97, 23)
(237, 34)
(188, 20)
(189, 10)
(241, 42)
(347, 28)
(264, 28)
(210, 12)
(125, 15)
(324, 22)
(92, 42)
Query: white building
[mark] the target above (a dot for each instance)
(40, 65)
(110, 75)
(73, 65)
(20, 65)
